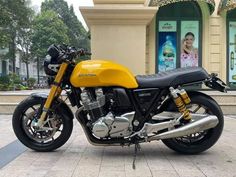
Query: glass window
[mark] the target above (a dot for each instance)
(232, 53)
(231, 49)
(4, 68)
(178, 36)
(167, 45)
(189, 54)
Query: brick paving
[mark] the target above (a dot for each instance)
(80, 159)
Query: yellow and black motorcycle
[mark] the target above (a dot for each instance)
(116, 108)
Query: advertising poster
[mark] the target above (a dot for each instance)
(232, 52)
(167, 45)
(189, 55)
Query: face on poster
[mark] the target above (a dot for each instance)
(167, 45)
(189, 44)
(232, 52)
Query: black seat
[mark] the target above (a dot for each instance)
(174, 77)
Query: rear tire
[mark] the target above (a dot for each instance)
(210, 137)
(27, 139)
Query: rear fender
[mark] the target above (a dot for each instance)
(215, 83)
(62, 106)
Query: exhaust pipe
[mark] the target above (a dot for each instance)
(191, 128)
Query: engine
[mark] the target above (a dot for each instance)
(102, 115)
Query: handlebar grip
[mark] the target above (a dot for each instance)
(82, 52)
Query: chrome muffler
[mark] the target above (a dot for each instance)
(191, 128)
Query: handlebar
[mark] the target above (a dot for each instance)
(82, 52)
(70, 53)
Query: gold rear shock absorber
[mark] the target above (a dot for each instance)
(181, 99)
(185, 97)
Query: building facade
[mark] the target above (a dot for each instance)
(149, 36)
(4, 64)
(6, 67)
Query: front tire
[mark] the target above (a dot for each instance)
(43, 141)
(185, 145)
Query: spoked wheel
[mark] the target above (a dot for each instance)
(200, 141)
(55, 132)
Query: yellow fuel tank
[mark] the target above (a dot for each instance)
(98, 73)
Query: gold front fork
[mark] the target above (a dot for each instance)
(54, 92)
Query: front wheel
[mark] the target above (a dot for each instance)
(201, 141)
(55, 132)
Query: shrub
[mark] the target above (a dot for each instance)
(5, 80)
(4, 83)
(4, 87)
(11, 87)
(31, 82)
(10, 82)
(15, 79)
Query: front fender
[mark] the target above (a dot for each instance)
(62, 106)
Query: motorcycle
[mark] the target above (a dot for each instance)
(116, 108)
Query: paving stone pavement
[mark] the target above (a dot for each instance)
(78, 158)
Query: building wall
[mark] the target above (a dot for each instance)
(135, 45)
(120, 43)
(7, 69)
(213, 44)
(119, 31)
(0, 67)
(32, 70)
(151, 47)
(218, 46)
(21, 68)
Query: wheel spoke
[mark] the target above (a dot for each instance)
(26, 116)
(207, 111)
(29, 122)
(42, 136)
(33, 108)
(197, 109)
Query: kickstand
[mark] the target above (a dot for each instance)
(136, 149)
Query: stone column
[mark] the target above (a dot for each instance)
(118, 31)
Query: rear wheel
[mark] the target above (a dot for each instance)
(56, 131)
(201, 141)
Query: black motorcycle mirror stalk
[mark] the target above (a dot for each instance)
(116, 108)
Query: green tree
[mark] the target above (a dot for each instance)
(4, 21)
(78, 36)
(48, 29)
(24, 36)
(24, 40)
(15, 14)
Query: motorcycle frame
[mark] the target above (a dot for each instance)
(161, 98)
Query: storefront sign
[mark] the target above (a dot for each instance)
(167, 45)
(189, 55)
(232, 52)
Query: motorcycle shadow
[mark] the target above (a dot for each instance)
(152, 151)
